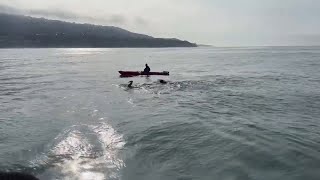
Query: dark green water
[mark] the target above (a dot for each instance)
(226, 114)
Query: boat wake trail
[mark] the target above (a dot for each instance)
(84, 152)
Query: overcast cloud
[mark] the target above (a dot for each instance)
(216, 22)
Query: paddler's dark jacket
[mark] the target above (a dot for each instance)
(147, 69)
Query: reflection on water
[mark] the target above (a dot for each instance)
(225, 113)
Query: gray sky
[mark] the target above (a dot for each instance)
(215, 22)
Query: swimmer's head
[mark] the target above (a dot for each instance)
(162, 81)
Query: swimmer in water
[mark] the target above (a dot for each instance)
(163, 81)
(130, 84)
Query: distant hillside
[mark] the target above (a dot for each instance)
(23, 31)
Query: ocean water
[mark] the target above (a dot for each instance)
(226, 114)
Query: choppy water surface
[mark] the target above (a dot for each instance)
(226, 113)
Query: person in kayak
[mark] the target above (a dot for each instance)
(146, 69)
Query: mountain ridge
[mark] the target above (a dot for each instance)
(26, 31)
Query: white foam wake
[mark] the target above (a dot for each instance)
(85, 153)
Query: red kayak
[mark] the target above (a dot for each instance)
(140, 73)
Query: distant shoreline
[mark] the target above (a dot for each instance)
(96, 47)
(19, 31)
(159, 47)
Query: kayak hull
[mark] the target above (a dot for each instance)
(141, 73)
